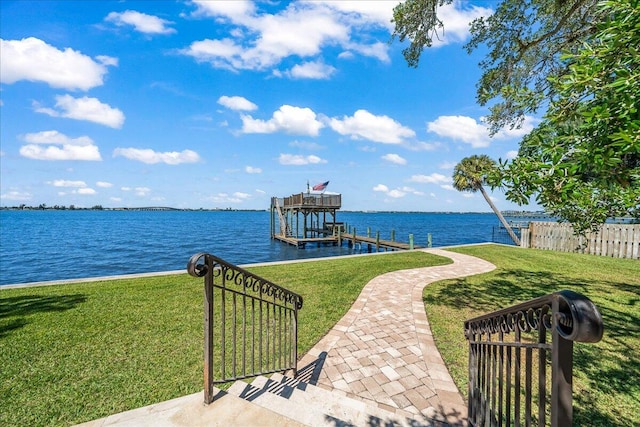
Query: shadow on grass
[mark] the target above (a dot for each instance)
(14, 310)
(605, 368)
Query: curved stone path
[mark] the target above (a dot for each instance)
(382, 351)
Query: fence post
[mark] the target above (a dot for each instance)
(429, 242)
(410, 242)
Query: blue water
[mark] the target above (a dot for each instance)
(59, 245)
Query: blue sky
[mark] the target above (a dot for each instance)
(224, 104)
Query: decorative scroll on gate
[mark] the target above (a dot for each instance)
(250, 323)
(521, 360)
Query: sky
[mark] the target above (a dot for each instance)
(225, 104)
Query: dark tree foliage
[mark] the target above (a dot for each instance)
(576, 61)
(525, 39)
(583, 161)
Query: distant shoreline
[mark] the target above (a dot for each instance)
(510, 213)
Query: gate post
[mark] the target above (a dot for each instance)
(208, 333)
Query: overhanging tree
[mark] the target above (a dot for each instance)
(471, 175)
(583, 160)
(579, 58)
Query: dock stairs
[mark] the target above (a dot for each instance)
(310, 405)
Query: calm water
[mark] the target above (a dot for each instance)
(57, 245)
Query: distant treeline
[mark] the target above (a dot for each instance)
(43, 207)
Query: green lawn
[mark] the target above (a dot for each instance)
(72, 353)
(77, 352)
(606, 374)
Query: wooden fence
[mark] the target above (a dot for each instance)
(613, 240)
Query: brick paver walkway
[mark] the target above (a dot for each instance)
(382, 350)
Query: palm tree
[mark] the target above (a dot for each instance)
(470, 175)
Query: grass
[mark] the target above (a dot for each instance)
(606, 374)
(73, 353)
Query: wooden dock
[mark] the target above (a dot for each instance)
(351, 239)
(372, 242)
(302, 242)
(310, 218)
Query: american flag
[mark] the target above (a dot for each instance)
(320, 187)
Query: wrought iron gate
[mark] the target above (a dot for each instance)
(505, 387)
(250, 323)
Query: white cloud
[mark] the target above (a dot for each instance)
(237, 197)
(461, 128)
(412, 190)
(65, 183)
(240, 195)
(55, 137)
(138, 191)
(367, 149)
(288, 119)
(103, 184)
(17, 196)
(434, 178)
(251, 170)
(53, 145)
(397, 192)
(142, 22)
(421, 146)
(260, 40)
(527, 126)
(80, 187)
(305, 145)
(456, 19)
(33, 60)
(237, 103)
(85, 191)
(107, 60)
(377, 50)
(512, 154)
(476, 133)
(298, 160)
(85, 108)
(367, 12)
(312, 70)
(150, 156)
(233, 10)
(395, 158)
(365, 125)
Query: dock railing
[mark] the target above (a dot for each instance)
(250, 323)
(505, 385)
(311, 200)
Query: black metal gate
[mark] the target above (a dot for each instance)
(250, 323)
(521, 360)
